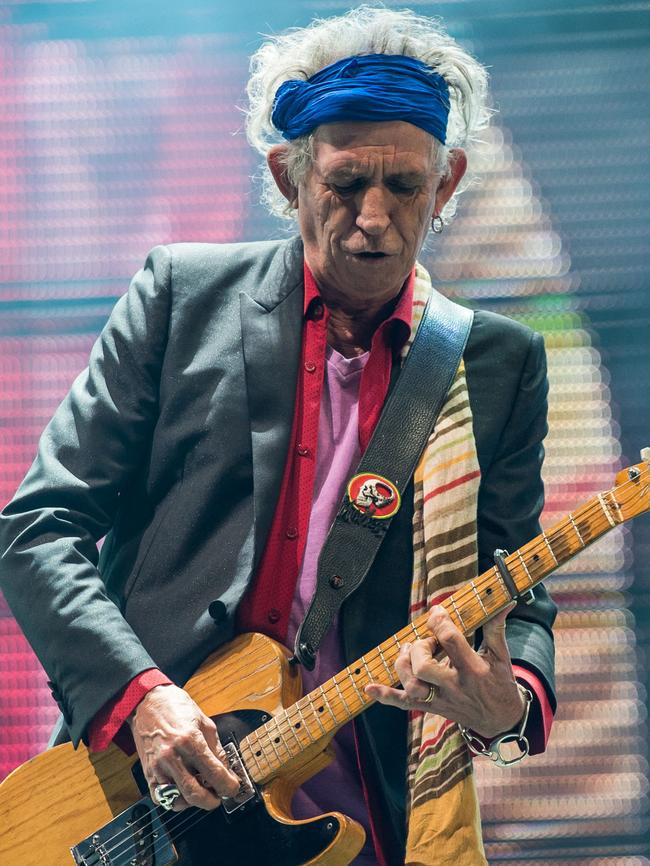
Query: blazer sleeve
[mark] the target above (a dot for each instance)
(511, 498)
(49, 532)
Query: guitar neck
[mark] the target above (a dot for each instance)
(318, 715)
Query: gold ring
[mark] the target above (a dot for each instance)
(433, 691)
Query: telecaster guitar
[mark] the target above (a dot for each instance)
(66, 806)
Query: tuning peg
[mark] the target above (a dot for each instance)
(645, 454)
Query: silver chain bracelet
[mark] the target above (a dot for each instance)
(493, 751)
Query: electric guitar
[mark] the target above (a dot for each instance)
(74, 807)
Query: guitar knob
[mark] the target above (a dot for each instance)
(645, 454)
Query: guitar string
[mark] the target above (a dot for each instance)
(487, 578)
(561, 528)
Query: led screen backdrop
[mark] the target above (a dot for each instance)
(121, 129)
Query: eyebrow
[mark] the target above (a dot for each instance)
(413, 174)
(346, 173)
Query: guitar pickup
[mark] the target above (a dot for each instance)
(247, 790)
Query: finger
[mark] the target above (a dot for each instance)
(403, 664)
(494, 634)
(209, 730)
(179, 803)
(426, 668)
(212, 769)
(402, 700)
(415, 688)
(450, 638)
(192, 791)
(390, 697)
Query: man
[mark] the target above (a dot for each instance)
(227, 403)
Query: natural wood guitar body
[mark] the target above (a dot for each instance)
(52, 802)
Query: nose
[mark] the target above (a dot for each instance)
(373, 216)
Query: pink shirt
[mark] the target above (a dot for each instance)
(338, 787)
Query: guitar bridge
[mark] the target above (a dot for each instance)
(137, 837)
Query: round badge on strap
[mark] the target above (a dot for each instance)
(374, 495)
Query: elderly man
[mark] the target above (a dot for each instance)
(226, 404)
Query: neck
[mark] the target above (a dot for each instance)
(351, 326)
(351, 333)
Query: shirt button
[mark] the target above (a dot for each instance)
(303, 450)
(309, 367)
(317, 311)
(274, 615)
(292, 532)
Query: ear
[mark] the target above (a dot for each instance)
(275, 161)
(457, 167)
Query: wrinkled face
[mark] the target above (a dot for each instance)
(365, 206)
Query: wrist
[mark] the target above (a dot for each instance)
(506, 748)
(130, 719)
(504, 726)
(521, 712)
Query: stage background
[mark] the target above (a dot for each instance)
(120, 129)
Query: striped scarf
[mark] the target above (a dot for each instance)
(444, 822)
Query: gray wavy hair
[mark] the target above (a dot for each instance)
(302, 51)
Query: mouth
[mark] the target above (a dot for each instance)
(369, 256)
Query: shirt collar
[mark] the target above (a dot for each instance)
(312, 292)
(398, 333)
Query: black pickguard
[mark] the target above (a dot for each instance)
(250, 836)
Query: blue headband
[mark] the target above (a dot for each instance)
(366, 87)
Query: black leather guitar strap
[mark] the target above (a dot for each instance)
(373, 494)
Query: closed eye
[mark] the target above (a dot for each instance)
(348, 188)
(351, 187)
(402, 188)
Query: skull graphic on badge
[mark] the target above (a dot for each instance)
(374, 495)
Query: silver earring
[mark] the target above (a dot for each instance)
(437, 224)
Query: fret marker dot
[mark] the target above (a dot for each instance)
(488, 591)
(320, 709)
(257, 754)
(276, 740)
(297, 725)
(536, 557)
(357, 672)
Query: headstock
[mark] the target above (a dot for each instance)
(632, 491)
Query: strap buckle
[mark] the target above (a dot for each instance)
(303, 654)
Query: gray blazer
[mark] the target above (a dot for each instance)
(172, 445)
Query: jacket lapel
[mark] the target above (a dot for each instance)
(271, 322)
